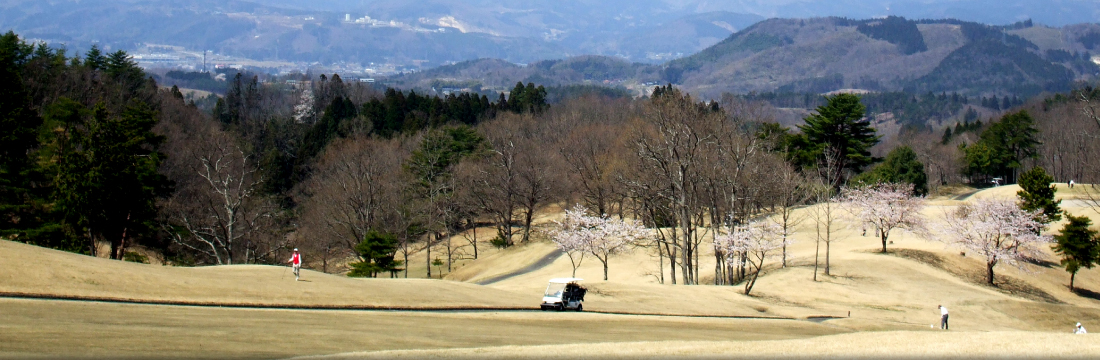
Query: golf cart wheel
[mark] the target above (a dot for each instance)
(580, 308)
(561, 307)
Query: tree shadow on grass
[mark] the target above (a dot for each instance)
(1086, 293)
(977, 276)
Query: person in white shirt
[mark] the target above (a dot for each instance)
(1080, 329)
(943, 317)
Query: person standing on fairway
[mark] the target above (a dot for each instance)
(296, 262)
(943, 317)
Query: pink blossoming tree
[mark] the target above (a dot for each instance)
(580, 234)
(885, 207)
(996, 229)
(758, 241)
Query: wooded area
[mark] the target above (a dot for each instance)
(94, 152)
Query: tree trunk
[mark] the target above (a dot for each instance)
(989, 268)
(405, 252)
(717, 268)
(784, 250)
(605, 270)
(527, 223)
(817, 255)
(428, 250)
(573, 262)
(1071, 276)
(473, 224)
(93, 249)
(883, 234)
(828, 246)
(450, 254)
(672, 262)
(752, 281)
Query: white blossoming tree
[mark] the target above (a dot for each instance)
(304, 110)
(573, 235)
(884, 207)
(758, 241)
(580, 234)
(996, 229)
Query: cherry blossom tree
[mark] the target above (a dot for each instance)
(304, 110)
(573, 235)
(996, 229)
(884, 207)
(600, 236)
(758, 241)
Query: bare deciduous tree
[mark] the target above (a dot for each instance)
(354, 188)
(824, 215)
(671, 142)
(791, 191)
(217, 211)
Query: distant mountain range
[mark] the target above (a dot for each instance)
(704, 46)
(432, 32)
(821, 55)
(400, 31)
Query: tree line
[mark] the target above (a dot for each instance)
(362, 180)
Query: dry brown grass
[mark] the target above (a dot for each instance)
(892, 301)
(33, 270)
(977, 275)
(101, 330)
(896, 344)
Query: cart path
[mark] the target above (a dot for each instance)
(541, 263)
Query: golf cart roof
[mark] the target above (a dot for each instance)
(565, 280)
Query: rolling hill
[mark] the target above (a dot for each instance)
(822, 55)
(825, 54)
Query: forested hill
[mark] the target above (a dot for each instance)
(822, 55)
(499, 74)
(890, 54)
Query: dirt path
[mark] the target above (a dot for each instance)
(541, 263)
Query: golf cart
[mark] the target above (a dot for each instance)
(564, 294)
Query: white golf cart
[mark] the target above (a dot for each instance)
(564, 294)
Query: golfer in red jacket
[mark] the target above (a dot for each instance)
(296, 261)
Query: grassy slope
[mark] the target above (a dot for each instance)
(30, 269)
(896, 291)
(891, 293)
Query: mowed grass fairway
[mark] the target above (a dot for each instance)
(95, 329)
(253, 311)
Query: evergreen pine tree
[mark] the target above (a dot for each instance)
(840, 127)
(376, 253)
(94, 59)
(1078, 245)
(901, 166)
(1038, 194)
(18, 137)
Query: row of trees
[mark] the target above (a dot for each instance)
(80, 156)
(276, 167)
